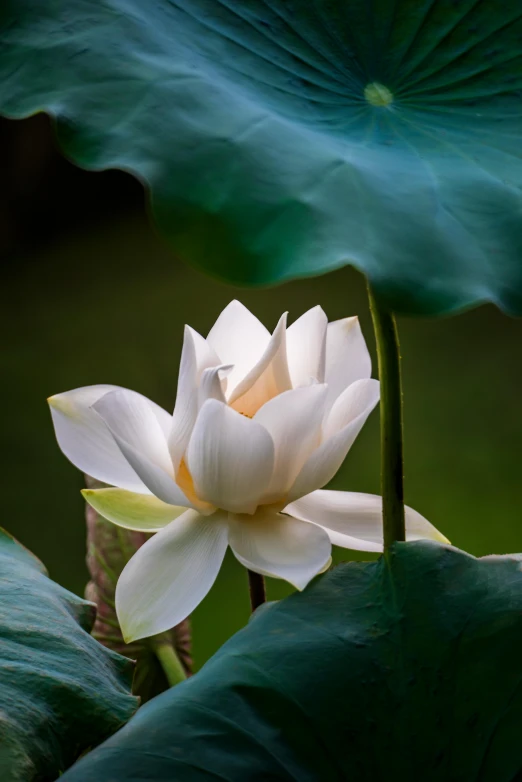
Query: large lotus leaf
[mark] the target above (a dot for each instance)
(61, 692)
(283, 138)
(390, 671)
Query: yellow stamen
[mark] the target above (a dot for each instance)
(186, 484)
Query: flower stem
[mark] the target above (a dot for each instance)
(392, 468)
(256, 584)
(168, 659)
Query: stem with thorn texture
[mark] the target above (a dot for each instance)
(392, 464)
(256, 584)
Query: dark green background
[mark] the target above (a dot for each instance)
(91, 295)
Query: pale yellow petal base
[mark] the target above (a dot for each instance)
(140, 512)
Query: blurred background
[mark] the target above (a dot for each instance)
(91, 294)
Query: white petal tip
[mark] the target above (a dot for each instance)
(132, 633)
(300, 585)
(349, 323)
(64, 404)
(281, 323)
(68, 406)
(131, 637)
(326, 567)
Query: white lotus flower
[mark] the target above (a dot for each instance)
(260, 424)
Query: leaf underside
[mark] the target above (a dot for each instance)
(266, 159)
(61, 692)
(400, 669)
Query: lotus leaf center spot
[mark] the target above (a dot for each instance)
(377, 94)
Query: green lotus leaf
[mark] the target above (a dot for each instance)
(391, 671)
(282, 138)
(61, 692)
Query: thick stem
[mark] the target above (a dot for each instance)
(168, 659)
(392, 469)
(256, 584)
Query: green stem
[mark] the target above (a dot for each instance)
(392, 466)
(168, 659)
(256, 585)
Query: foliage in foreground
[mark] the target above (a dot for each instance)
(403, 669)
(61, 692)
